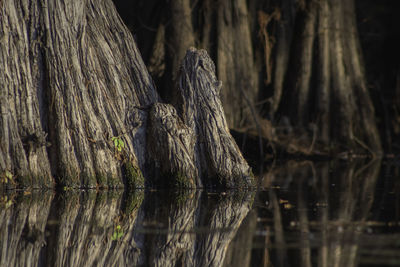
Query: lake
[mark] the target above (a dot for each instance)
(338, 213)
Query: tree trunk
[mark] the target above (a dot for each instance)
(76, 98)
(326, 82)
(235, 65)
(308, 56)
(76, 85)
(217, 157)
(23, 139)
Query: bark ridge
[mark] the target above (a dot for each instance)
(193, 142)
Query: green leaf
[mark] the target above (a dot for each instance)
(118, 143)
(8, 176)
(121, 143)
(114, 236)
(9, 204)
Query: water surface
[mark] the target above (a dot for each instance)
(305, 214)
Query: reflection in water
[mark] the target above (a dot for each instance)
(322, 214)
(92, 228)
(22, 229)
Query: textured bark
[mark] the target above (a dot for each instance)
(95, 80)
(194, 144)
(75, 83)
(340, 88)
(182, 34)
(76, 100)
(22, 134)
(216, 155)
(235, 66)
(171, 145)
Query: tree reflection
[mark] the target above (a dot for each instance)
(309, 214)
(326, 206)
(22, 228)
(92, 228)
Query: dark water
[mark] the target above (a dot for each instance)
(306, 214)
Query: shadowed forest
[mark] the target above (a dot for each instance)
(199, 133)
(123, 93)
(310, 77)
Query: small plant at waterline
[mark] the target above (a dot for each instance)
(118, 143)
(118, 233)
(7, 178)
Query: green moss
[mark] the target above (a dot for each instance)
(114, 182)
(101, 179)
(133, 175)
(68, 179)
(28, 181)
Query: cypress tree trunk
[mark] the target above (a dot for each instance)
(23, 138)
(194, 142)
(77, 81)
(235, 64)
(306, 53)
(326, 85)
(76, 97)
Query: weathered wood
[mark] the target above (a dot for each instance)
(21, 95)
(76, 103)
(171, 147)
(95, 77)
(216, 155)
(193, 147)
(74, 83)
